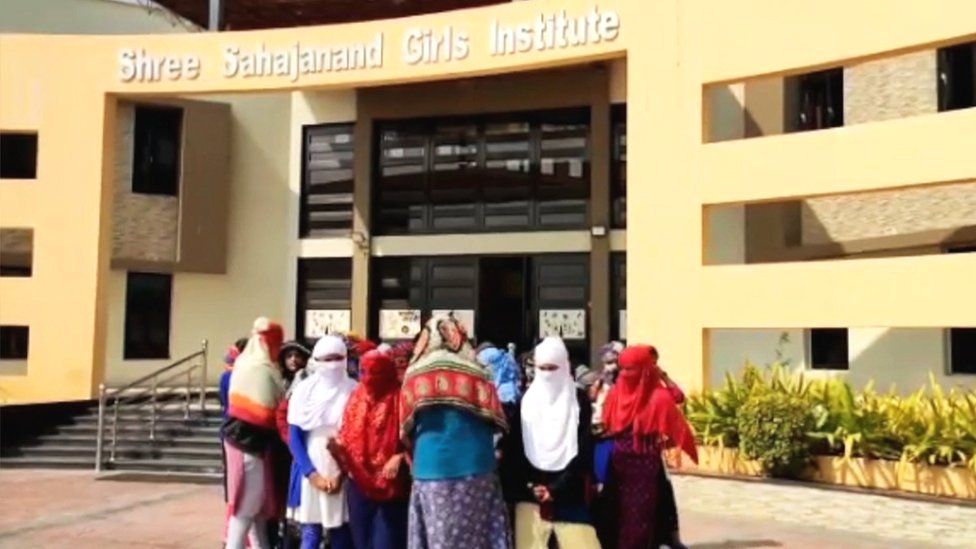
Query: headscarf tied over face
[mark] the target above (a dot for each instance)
(550, 410)
(443, 372)
(256, 387)
(640, 403)
(505, 371)
(320, 399)
(401, 354)
(370, 429)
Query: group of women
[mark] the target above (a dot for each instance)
(432, 445)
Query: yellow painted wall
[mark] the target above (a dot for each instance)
(87, 17)
(260, 264)
(58, 84)
(893, 358)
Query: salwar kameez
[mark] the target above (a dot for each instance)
(376, 524)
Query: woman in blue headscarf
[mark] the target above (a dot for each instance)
(505, 372)
(507, 376)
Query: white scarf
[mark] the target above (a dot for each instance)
(550, 411)
(320, 399)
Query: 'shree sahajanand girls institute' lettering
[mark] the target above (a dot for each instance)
(547, 31)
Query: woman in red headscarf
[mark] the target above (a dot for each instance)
(642, 419)
(369, 451)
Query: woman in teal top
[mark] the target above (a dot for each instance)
(451, 413)
(450, 443)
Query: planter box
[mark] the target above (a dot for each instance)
(955, 482)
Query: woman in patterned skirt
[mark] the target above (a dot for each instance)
(450, 413)
(642, 419)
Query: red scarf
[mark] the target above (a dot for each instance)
(369, 436)
(640, 403)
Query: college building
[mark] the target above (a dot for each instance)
(749, 180)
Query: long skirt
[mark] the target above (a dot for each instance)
(466, 513)
(629, 503)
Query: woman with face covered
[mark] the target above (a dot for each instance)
(642, 419)
(450, 412)
(370, 452)
(551, 447)
(317, 498)
(255, 390)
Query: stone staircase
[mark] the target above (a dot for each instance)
(186, 440)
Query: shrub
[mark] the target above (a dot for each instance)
(773, 429)
(931, 426)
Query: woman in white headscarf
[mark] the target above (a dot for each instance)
(552, 449)
(317, 498)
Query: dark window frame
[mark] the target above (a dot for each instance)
(146, 349)
(305, 229)
(960, 348)
(618, 166)
(957, 89)
(17, 270)
(154, 180)
(826, 88)
(817, 360)
(306, 266)
(427, 137)
(23, 146)
(618, 290)
(14, 342)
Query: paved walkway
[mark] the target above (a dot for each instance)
(57, 509)
(817, 517)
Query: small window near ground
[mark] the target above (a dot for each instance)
(156, 158)
(957, 77)
(18, 155)
(16, 252)
(147, 315)
(816, 100)
(828, 349)
(962, 350)
(14, 342)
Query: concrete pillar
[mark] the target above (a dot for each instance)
(601, 150)
(361, 224)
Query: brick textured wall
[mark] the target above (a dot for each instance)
(893, 87)
(145, 227)
(884, 89)
(888, 213)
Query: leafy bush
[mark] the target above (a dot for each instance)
(931, 426)
(773, 429)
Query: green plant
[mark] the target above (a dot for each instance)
(932, 426)
(773, 427)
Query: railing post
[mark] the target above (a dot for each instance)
(100, 435)
(186, 394)
(152, 410)
(203, 380)
(115, 428)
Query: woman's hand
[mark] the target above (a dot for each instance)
(392, 467)
(319, 482)
(541, 493)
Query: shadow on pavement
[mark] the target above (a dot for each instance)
(737, 544)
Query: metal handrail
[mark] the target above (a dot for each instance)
(116, 396)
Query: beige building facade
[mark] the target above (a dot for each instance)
(743, 237)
